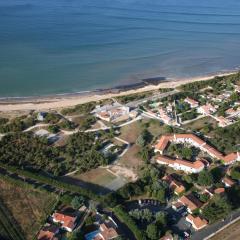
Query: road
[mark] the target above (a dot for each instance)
(136, 103)
(213, 228)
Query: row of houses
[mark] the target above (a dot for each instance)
(187, 166)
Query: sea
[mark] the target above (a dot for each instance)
(50, 47)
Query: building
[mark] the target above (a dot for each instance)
(196, 222)
(222, 121)
(68, 222)
(167, 237)
(207, 110)
(219, 191)
(181, 165)
(105, 232)
(174, 185)
(41, 116)
(231, 158)
(112, 112)
(228, 182)
(190, 202)
(48, 233)
(191, 102)
(165, 117)
(191, 139)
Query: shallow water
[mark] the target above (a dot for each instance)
(60, 46)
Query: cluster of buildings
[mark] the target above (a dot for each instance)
(114, 112)
(61, 221)
(187, 166)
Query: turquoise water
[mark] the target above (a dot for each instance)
(61, 46)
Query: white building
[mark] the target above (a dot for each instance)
(181, 165)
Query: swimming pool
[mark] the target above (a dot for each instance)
(91, 235)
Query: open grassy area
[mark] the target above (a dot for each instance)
(229, 233)
(200, 124)
(98, 176)
(27, 208)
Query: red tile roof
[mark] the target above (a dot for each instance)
(67, 221)
(197, 222)
(190, 201)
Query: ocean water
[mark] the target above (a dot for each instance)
(64, 46)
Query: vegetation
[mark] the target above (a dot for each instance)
(124, 217)
(218, 208)
(17, 124)
(79, 109)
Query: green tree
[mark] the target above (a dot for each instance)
(152, 231)
(77, 202)
(205, 178)
(235, 173)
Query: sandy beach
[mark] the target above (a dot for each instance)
(64, 101)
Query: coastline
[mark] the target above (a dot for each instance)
(72, 99)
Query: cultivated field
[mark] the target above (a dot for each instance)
(230, 233)
(26, 208)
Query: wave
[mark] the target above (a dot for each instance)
(174, 21)
(170, 12)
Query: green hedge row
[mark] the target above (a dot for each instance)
(124, 217)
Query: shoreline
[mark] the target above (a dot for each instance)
(60, 101)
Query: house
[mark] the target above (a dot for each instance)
(196, 222)
(112, 112)
(41, 116)
(219, 191)
(68, 222)
(105, 232)
(48, 233)
(165, 117)
(190, 202)
(191, 102)
(231, 158)
(178, 206)
(222, 121)
(181, 165)
(231, 112)
(174, 185)
(207, 109)
(228, 182)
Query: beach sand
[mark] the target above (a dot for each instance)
(64, 101)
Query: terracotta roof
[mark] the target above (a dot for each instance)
(48, 233)
(230, 158)
(191, 202)
(228, 181)
(219, 190)
(197, 221)
(191, 101)
(196, 165)
(68, 221)
(175, 185)
(163, 142)
(108, 233)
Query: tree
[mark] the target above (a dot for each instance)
(161, 218)
(205, 178)
(140, 141)
(77, 202)
(217, 209)
(235, 173)
(152, 231)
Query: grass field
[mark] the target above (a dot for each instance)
(230, 233)
(27, 209)
(98, 176)
(201, 123)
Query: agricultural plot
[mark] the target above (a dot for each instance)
(22, 211)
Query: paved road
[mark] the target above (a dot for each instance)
(136, 103)
(203, 234)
